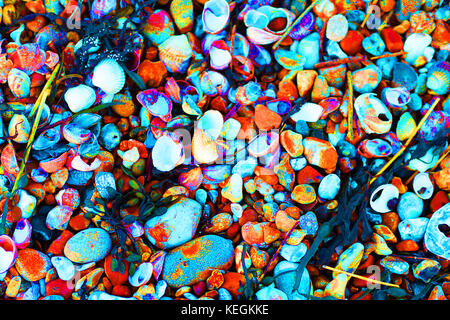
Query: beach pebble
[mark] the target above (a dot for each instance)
(410, 206)
(64, 267)
(413, 229)
(285, 276)
(32, 265)
(193, 261)
(175, 227)
(293, 253)
(90, 245)
(329, 187)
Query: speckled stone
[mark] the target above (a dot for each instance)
(410, 206)
(90, 245)
(176, 226)
(32, 264)
(285, 276)
(308, 222)
(413, 229)
(193, 261)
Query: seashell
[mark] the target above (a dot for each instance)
(405, 126)
(175, 53)
(9, 159)
(142, 275)
(213, 83)
(241, 46)
(8, 253)
(136, 229)
(309, 112)
(259, 55)
(58, 218)
(109, 76)
(191, 179)
(243, 66)
(204, 149)
(87, 120)
(26, 204)
(79, 164)
(435, 240)
(101, 8)
(219, 55)
(304, 27)
(90, 148)
(68, 197)
(80, 98)
(423, 185)
(5, 67)
(415, 45)
(156, 103)
(210, 38)
(50, 34)
(375, 148)
(404, 75)
(215, 16)
(211, 124)
(19, 128)
(19, 83)
(28, 58)
(22, 233)
(289, 59)
(264, 144)
(54, 164)
(158, 27)
(439, 78)
(261, 37)
(75, 134)
(374, 116)
(183, 14)
(167, 153)
(395, 97)
(384, 197)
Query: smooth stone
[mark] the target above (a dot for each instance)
(176, 227)
(270, 293)
(395, 265)
(230, 129)
(89, 245)
(245, 168)
(410, 206)
(194, 261)
(365, 80)
(415, 45)
(426, 270)
(285, 173)
(374, 44)
(298, 163)
(26, 204)
(308, 222)
(320, 153)
(349, 259)
(58, 218)
(285, 276)
(64, 267)
(309, 112)
(110, 136)
(337, 28)
(32, 265)
(435, 240)
(329, 187)
(309, 48)
(386, 66)
(413, 229)
(103, 181)
(293, 253)
(233, 190)
(292, 143)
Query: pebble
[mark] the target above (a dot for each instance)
(175, 227)
(413, 229)
(32, 265)
(329, 187)
(192, 261)
(64, 267)
(90, 245)
(293, 253)
(285, 277)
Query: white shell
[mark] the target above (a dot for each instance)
(423, 186)
(7, 257)
(79, 98)
(167, 153)
(142, 274)
(211, 123)
(26, 204)
(79, 164)
(129, 157)
(215, 16)
(219, 58)
(109, 76)
(20, 127)
(309, 112)
(381, 196)
(415, 45)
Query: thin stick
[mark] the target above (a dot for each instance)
(385, 22)
(369, 11)
(350, 107)
(289, 29)
(446, 152)
(362, 278)
(403, 148)
(387, 55)
(336, 62)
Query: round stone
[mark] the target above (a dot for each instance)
(90, 245)
(329, 187)
(410, 206)
(32, 264)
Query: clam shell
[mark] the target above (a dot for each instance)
(109, 76)
(75, 134)
(175, 53)
(157, 103)
(22, 233)
(374, 116)
(219, 55)
(142, 275)
(395, 97)
(439, 78)
(19, 127)
(68, 197)
(204, 149)
(19, 83)
(54, 164)
(381, 197)
(80, 97)
(261, 37)
(215, 16)
(213, 83)
(167, 153)
(103, 180)
(304, 27)
(28, 58)
(79, 164)
(158, 27)
(423, 185)
(8, 253)
(375, 148)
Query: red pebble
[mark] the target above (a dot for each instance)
(57, 246)
(352, 43)
(121, 291)
(392, 39)
(59, 287)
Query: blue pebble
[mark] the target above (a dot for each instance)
(285, 275)
(413, 229)
(410, 206)
(298, 164)
(308, 222)
(110, 136)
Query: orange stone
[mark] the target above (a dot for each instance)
(308, 175)
(57, 246)
(266, 119)
(284, 222)
(396, 181)
(287, 90)
(392, 39)
(152, 73)
(390, 220)
(352, 43)
(305, 81)
(79, 222)
(407, 246)
(121, 291)
(442, 179)
(260, 258)
(215, 280)
(234, 283)
(439, 200)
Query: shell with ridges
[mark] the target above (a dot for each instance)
(19, 83)
(175, 53)
(439, 78)
(215, 16)
(157, 103)
(109, 76)
(80, 97)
